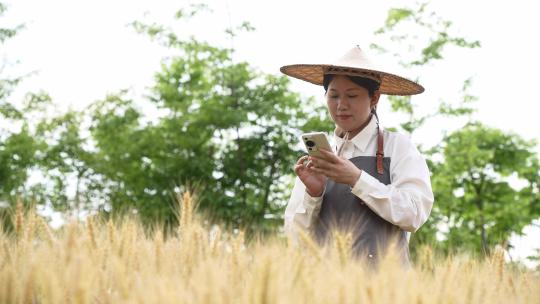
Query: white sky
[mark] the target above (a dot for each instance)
(83, 50)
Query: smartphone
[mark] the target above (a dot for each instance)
(315, 141)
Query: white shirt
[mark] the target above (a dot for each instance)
(406, 202)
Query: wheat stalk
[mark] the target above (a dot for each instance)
(91, 232)
(186, 211)
(110, 232)
(214, 241)
(426, 258)
(310, 244)
(158, 241)
(192, 269)
(497, 259)
(30, 226)
(19, 218)
(44, 227)
(343, 244)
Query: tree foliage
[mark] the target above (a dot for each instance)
(476, 205)
(220, 126)
(487, 187)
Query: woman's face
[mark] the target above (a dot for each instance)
(349, 104)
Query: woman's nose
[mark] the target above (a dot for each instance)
(341, 104)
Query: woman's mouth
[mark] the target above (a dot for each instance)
(343, 117)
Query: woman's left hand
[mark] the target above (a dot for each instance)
(336, 168)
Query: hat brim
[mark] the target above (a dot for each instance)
(391, 84)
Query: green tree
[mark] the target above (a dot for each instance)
(476, 160)
(223, 126)
(417, 37)
(17, 145)
(66, 161)
(473, 187)
(32, 144)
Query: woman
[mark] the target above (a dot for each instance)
(375, 184)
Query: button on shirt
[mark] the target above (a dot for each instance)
(406, 202)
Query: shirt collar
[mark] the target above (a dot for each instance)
(361, 139)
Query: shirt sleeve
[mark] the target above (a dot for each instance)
(408, 200)
(301, 211)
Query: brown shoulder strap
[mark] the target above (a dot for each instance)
(380, 151)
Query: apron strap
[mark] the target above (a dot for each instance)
(380, 151)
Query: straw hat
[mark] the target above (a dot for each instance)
(354, 63)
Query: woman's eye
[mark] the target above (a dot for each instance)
(333, 97)
(352, 96)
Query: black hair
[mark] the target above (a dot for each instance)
(367, 83)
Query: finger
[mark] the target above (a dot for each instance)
(302, 159)
(330, 156)
(299, 168)
(327, 155)
(322, 154)
(325, 172)
(323, 164)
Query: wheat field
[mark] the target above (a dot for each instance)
(96, 261)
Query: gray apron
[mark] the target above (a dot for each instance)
(343, 210)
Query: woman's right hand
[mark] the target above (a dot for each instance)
(314, 182)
